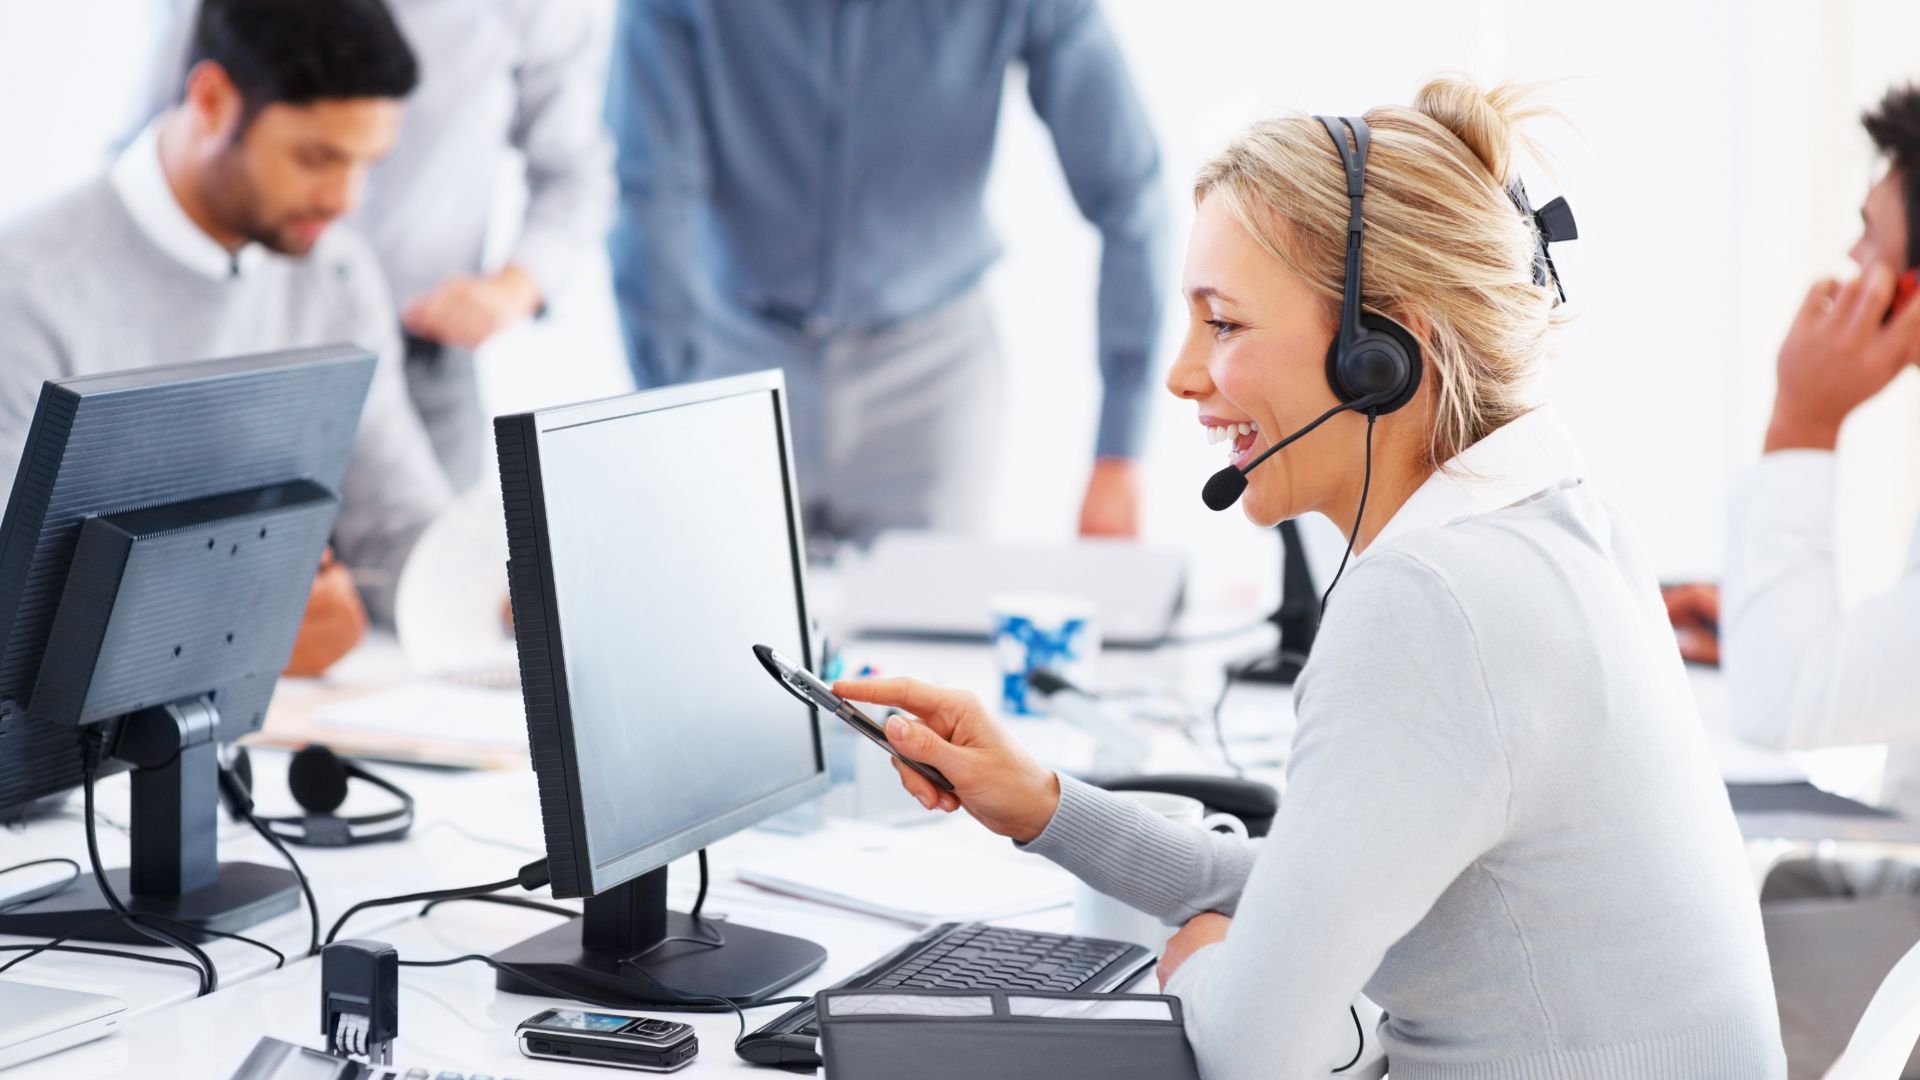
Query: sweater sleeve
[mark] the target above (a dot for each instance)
(1169, 871)
(1399, 780)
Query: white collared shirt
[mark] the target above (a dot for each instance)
(1803, 671)
(1532, 455)
(142, 185)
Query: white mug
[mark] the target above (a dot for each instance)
(1098, 915)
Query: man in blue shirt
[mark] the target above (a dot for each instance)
(802, 184)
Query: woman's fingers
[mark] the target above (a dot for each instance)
(936, 706)
(918, 787)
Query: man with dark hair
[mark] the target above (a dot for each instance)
(497, 77)
(210, 237)
(1802, 672)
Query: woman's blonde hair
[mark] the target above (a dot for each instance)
(1445, 251)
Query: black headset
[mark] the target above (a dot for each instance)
(1373, 363)
(318, 779)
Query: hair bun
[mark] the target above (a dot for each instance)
(1487, 121)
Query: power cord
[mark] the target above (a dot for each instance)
(531, 876)
(242, 800)
(505, 901)
(42, 892)
(1359, 1033)
(90, 752)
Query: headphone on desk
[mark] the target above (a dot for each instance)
(319, 779)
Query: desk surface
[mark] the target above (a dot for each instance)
(480, 826)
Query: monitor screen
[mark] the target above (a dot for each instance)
(673, 550)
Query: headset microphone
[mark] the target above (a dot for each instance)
(1225, 487)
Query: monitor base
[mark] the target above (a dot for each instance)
(244, 894)
(752, 965)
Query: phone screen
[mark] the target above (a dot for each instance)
(574, 1020)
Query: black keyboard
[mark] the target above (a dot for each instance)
(961, 956)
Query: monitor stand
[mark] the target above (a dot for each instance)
(613, 953)
(1298, 619)
(175, 869)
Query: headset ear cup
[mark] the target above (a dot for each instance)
(1384, 360)
(317, 779)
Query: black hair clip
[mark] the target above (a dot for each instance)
(1554, 223)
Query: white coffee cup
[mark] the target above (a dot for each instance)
(1098, 915)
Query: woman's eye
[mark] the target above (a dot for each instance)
(1221, 327)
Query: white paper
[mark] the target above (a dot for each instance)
(908, 1005)
(918, 875)
(433, 711)
(1089, 1008)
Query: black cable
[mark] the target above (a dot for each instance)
(56, 943)
(508, 901)
(306, 888)
(531, 876)
(35, 950)
(43, 891)
(1361, 1033)
(1365, 486)
(1219, 729)
(210, 975)
(700, 898)
(279, 958)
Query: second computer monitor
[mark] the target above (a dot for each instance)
(653, 540)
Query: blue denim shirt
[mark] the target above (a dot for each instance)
(824, 163)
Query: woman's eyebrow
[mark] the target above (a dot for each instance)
(1204, 292)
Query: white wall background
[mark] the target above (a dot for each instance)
(1715, 163)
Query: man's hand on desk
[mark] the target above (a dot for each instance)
(1204, 929)
(993, 776)
(334, 623)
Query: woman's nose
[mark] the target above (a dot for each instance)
(1188, 378)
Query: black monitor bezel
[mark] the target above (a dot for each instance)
(574, 868)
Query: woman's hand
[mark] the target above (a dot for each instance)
(1204, 929)
(996, 780)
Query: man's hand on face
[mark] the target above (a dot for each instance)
(1842, 349)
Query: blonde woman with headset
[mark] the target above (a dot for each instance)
(1501, 821)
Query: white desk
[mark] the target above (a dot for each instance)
(477, 827)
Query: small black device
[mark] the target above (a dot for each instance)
(597, 1038)
(801, 684)
(319, 778)
(961, 956)
(156, 554)
(360, 999)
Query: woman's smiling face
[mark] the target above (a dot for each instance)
(1255, 354)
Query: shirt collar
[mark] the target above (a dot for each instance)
(1533, 454)
(142, 185)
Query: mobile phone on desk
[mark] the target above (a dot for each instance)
(597, 1038)
(801, 684)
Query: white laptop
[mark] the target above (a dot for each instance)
(37, 1020)
(939, 585)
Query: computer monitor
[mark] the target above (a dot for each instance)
(653, 540)
(156, 555)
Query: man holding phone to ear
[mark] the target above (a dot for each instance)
(1803, 673)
